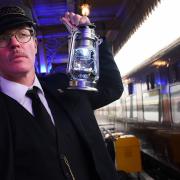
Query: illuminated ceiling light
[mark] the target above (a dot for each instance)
(160, 63)
(128, 80)
(85, 9)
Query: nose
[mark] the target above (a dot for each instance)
(13, 42)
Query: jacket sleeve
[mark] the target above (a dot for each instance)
(110, 85)
(6, 145)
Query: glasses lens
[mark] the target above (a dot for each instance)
(23, 35)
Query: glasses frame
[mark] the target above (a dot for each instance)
(15, 34)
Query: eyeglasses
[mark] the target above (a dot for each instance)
(22, 36)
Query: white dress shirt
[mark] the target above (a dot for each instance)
(18, 92)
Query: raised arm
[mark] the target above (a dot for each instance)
(109, 85)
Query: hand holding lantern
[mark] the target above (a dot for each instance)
(83, 64)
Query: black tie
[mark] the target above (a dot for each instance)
(40, 112)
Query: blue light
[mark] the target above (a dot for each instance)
(43, 69)
(49, 68)
(161, 82)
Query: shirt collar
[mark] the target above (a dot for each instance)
(15, 90)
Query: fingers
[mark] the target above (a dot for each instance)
(84, 20)
(75, 19)
(66, 20)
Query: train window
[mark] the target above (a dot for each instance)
(151, 105)
(119, 109)
(174, 72)
(130, 88)
(175, 102)
(150, 81)
(177, 71)
(131, 106)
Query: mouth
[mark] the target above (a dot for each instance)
(17, 56)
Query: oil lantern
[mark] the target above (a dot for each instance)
(83, 59)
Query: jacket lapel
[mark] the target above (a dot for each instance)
(68, 102)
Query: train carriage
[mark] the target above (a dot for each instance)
(150, 109)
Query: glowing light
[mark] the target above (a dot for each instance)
(156, 33)
(160, 63)
(129, 80)
(43, 69)
(85, 9)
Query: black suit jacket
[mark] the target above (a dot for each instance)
(20, 137)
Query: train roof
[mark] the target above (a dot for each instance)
(168, 53)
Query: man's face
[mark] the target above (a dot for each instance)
(18, 57)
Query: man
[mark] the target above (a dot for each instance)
(72, 148)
